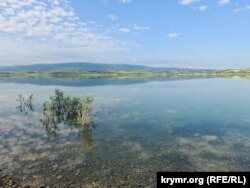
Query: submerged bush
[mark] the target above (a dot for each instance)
(74, 111)
(26, 104)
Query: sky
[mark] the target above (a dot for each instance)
(171, 33)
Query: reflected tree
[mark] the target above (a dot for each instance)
(25, 104)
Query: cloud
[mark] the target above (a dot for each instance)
(127, 28)
(124, 30)
(203, 8)
(125, 1)
(91, 22)
(173, 35)
(139, 28)
(223, 2)
(17, 51)
(246, 8)
(187, 2)
(112, 17)
(50, 21)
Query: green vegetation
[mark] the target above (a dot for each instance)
(71, 111)
(186, 73)
(26, 104)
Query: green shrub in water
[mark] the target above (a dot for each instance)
(75, 111)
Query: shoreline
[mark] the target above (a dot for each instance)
(127, 74)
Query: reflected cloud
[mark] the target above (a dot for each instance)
(75, 112)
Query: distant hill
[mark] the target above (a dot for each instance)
(79, 67)
(72, 67)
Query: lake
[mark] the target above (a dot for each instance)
(140, 128)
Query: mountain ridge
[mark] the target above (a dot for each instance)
(83, 66)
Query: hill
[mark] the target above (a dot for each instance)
(73, 67)
(81, 67)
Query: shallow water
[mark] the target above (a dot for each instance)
(175, 125)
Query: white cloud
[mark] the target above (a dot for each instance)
(50, 20)
(55, 2)
(28, 52)
(124, 30)
(54, 18)
(127, 28)
(139, 28)
(91, 22)
(125, 1)
(223, 2)
(173, 35)
(187, 2)
(203, 8)
(112, 17)
(242, 9)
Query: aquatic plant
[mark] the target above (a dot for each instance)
(26, 104)
(72, 111)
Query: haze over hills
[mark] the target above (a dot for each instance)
(72, 67)
(46, 74)
(81, 67)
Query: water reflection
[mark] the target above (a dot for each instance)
(189, 126)
(59, 110)
(26, 104)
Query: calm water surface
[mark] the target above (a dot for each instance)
(182, 125)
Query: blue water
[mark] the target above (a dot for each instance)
(141, 128)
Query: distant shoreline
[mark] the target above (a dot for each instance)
(245, 73)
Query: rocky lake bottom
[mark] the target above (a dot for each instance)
(184, 125)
